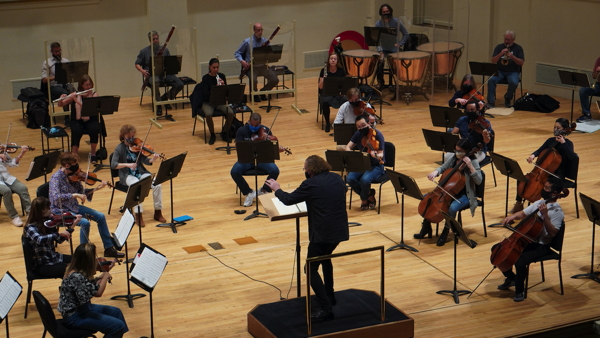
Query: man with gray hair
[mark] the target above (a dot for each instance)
(143, 64)
(510, 57)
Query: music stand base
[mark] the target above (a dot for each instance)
(591, 275)
(255, 214)
(100, 166)
(173, 225)
(354, 224)
(455, 294)
(401, 245)
(269, 107)
(227, 148)
(128, 298)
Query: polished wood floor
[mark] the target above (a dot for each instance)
(198, 296)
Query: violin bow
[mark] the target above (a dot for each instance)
(444, 190)
(143, 144)
(275, 118)
(6, 144)
(477, 91)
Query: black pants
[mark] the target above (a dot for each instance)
(324, 292)
(56, 270)
(531, 253)
(80, 127)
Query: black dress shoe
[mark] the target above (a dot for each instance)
(323, 315)
(327, 128)
(112, 252)
(211, 141)
(159, 111)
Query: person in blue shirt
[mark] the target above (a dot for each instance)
(393, 24)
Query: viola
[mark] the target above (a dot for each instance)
(90, 178)
(473, 95)
(479, 124)
(104, 265)
(362, 108)
(138, 145)
(12, 148)
(451, 183)
(370, 142)
(67, 219)
(263, 135)
(547, 162)
(505, 254)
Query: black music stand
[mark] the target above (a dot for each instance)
(136, 194)
(42, 165)
(165, 65)
(440, 141)
(484, 69)
(444, 117)
(592, 209)
(168, 170)
(405, 185)
(573, 79)
(11, 290)
(263, 56)
(224, 95)
(145, 273)
(70, 72)
(384, 37)
(511, 169)
(97, 107)
(255, 152)
(458, 233)
(343, 132)
(119, 240)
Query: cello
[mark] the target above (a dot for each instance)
(547, 162)
(451, 183)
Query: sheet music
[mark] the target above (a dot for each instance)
(283, 209)
(124, 227)
(149, 266)
(30, 168)
(9, 292)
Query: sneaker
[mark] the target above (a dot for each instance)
(584, 118)
(249, 199)
(262, 192)
(519, 297)
(507, 284)
(516, 208)
(17, 221)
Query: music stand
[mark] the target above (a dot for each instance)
(168, 170)
(592, 209)
(136, 194)
(263, 56)
(255, 152)
(405, 185)
(70, 72)
(511, 169)
(458, 233)
(165, 65)
(145, 273)
(97, 107)
(42, 165)
(440, 141)
(119, 240)
(484, 69)
(445, 117)
(10, 289)
(224, 95)
(343, 132)
(573, 79)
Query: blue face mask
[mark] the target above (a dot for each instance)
(254, 129)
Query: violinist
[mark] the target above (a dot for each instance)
(76, 291)
(564, 147)
(364, 141)
(467, 93)
(64, 195)
(131, 166)
(332, 69)
(42, 234)
(246, 133)
(352, 108)
(10, 184)
(552, 216)
(464, 199)
(470, 127)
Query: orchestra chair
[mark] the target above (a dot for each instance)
(117, 185)
(185, 92)
(43, 190)
(161, 84)
(281, 70)
(390, 163)
(488, 159)
(60, 132)
(319, 112)
(56, 327)
(480, 193)
(216, 113)
(251, 172)
(555, 254)
(520, 84)
(22, 207)
(570, 180)
(28, 255)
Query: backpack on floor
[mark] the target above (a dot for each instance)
(37, 114)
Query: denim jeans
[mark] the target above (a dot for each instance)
(361, 182)
(104, 318)
(239, 168)
(513, 81)
(584, 97)
(85, 226)
(455, 207)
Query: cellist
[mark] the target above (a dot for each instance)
(467, 197)
(564, 147)
(552, 216)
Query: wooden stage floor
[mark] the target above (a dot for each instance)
(198, 296)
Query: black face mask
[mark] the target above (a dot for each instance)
(307, 175)
(472, 115)
(355, 103)
(364, 131)
(546, 194)
(386, 16)
(73, 168)
(467, 88)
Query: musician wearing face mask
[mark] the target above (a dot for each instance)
(586, 92)
(48, 72)
(479, 133)
(395, 25)
(510, 57)
(348, 111)
(360, 182)
(467, 93)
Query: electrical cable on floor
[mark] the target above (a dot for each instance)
(292, 280)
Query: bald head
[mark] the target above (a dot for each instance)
(258, 30)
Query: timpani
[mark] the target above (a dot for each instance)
(446, 55)
(360, 63)
(409, 70)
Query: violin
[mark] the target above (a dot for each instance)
(547, 162)
(370, 142)
(473, 96)
(67, 219)
(451, 183)
(139, 146)
(90, 178)
(479, 124)
(263, 135)
(361, 108)
(505, 254)
(104, 265)
(12, 148)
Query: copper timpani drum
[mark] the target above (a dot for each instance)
(409, 70)
(360, 63)
(446, 56)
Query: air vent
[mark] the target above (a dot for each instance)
(547, 74)
(315, 59)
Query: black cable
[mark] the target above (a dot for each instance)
(256, 280)
(292, 280)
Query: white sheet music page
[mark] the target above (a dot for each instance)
(149, 266)
(124, 227)
(283, 209)
(9, 292)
